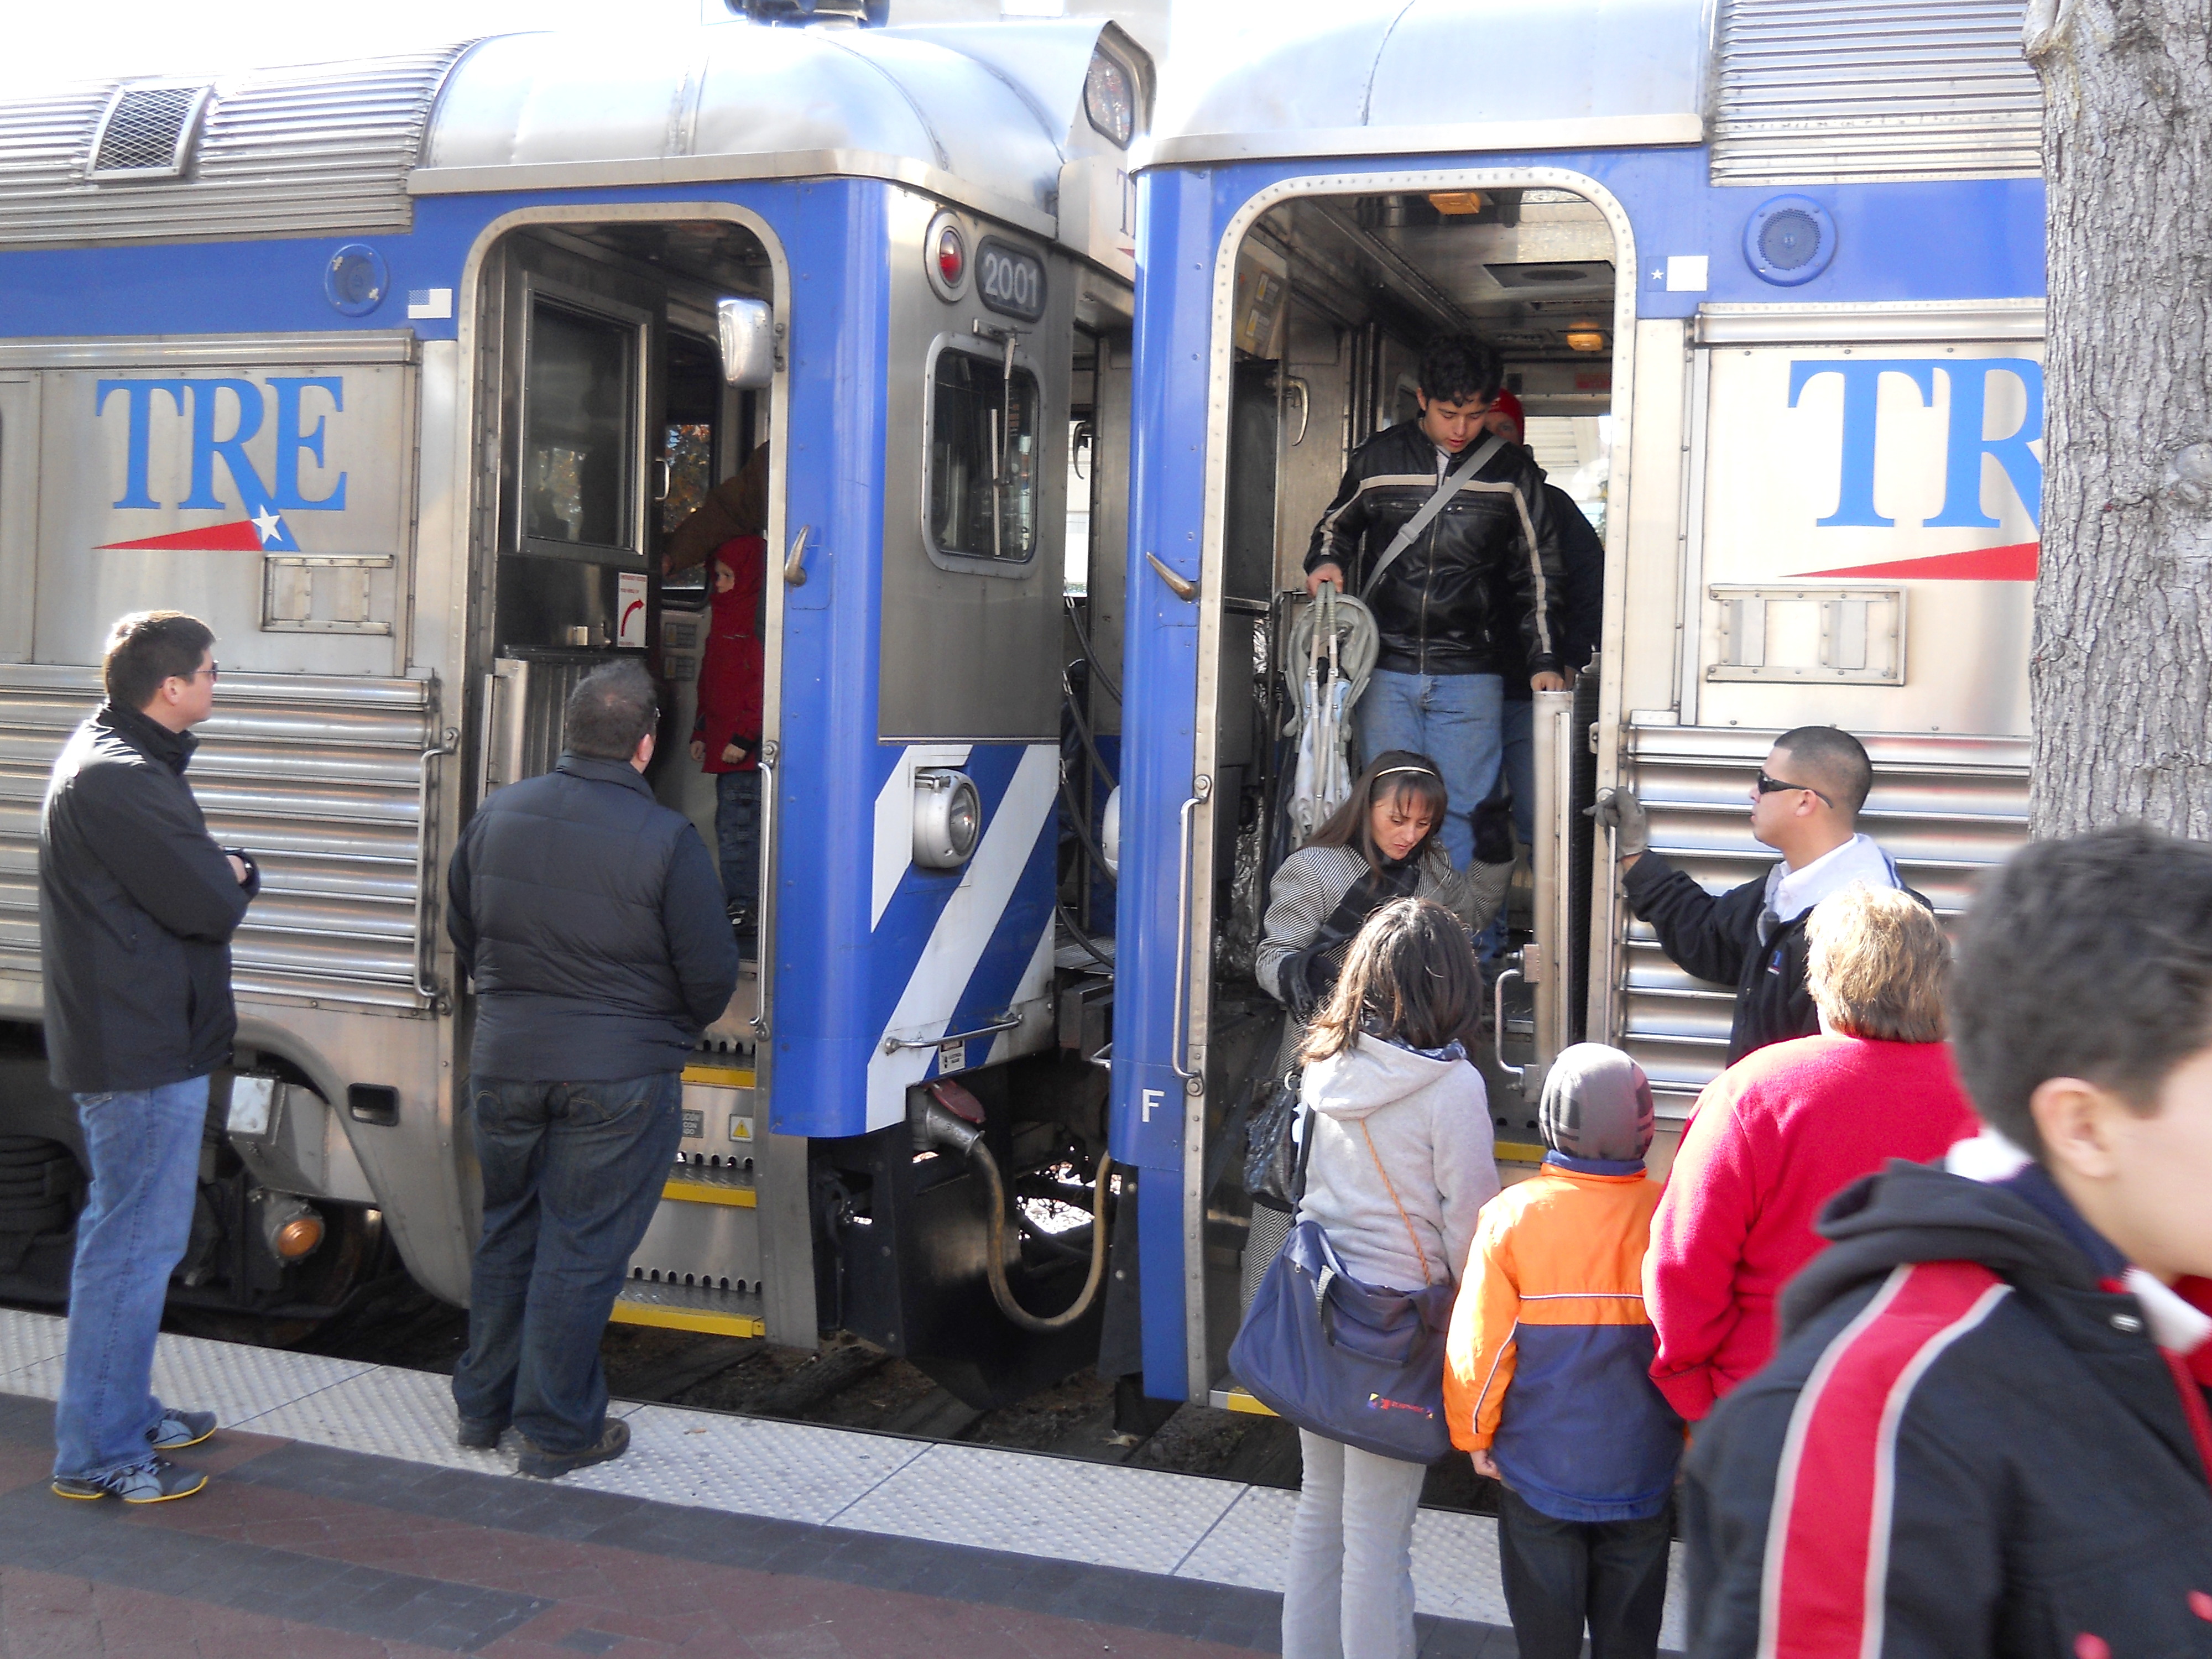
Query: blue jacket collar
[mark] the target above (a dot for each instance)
(603, 771)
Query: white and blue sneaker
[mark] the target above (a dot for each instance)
(156, 1480)
(177, 1430)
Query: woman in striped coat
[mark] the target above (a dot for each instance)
(1382, 844)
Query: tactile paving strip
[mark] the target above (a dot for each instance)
(25, 1338)
(188, 1371)
(1090, 1512)
(1213, 1531)
(1246, 1546)
(391, 1412)
(789, 1471)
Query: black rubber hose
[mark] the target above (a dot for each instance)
(1067, 921)
(1083, 638)
(1082, 729)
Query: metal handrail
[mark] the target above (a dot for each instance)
(1518, 1074)
(427, 987)
(1005, 1022)
(770, 752)
(1201, 790)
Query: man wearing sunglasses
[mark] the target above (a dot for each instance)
(1805, 805)
(136, 905)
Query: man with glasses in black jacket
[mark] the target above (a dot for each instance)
(136, 905)
(1805, 805)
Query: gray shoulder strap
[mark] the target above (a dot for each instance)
(1421, 521)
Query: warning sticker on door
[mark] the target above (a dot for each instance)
(630, 608)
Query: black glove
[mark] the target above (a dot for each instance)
(1307, 978)
(1618, 811)
(1493, 831)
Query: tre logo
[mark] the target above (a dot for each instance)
(1966, 442)
(225, 415)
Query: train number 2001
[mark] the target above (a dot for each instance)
(1008, 280)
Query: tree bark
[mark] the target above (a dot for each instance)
(2121, 677)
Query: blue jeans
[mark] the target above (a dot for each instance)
(145, 1144)
(737, 835)
(572, 1174)
(1520, 767)
(1518, 775)
(1453, 719)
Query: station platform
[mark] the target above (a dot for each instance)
(342, 1519)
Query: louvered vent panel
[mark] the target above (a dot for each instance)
(320, 149)
(147, 129)
(319, 776)
(1840, 91)
(1948, 809)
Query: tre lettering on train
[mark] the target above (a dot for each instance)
(226, 414)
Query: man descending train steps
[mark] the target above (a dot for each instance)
(591, 918)
(1430, 513)
(136, 905)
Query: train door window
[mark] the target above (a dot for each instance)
(982, 449)
(691, 444)
(580, 448)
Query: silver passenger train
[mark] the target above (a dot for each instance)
(402, 371)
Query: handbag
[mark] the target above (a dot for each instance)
(1274, 1159)
(1354, 1362)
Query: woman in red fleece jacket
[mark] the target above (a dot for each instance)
(1781, 1132)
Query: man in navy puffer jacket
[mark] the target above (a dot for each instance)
(591, 918)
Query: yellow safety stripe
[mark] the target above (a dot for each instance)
(709, 1192)
(688, 1319)
(721, 1077)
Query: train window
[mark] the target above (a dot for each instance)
(983, 446)
(579, 446)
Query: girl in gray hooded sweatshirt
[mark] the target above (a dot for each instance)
(1401, 1162)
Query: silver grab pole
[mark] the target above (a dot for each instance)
(1544, 965)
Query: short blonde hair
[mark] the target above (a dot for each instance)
(1876, 965)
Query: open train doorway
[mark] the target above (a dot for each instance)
(632, 481)
(1335, 298)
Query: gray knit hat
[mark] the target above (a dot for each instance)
(1597, 1103)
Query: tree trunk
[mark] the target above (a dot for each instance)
(2121, 677)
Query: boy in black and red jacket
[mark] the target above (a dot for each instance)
(1986, 1430)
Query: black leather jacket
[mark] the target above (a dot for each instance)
(1438, 606)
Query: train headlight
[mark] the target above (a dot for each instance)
(948, 818)
(1109, 832)
(1108, 100)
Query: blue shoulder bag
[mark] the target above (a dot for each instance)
(1354, 1362)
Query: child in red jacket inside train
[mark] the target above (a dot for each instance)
(1547, 1373)
(725, 737)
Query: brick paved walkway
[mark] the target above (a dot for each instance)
(314, 1551)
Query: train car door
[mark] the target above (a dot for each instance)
(626, 404)
(1325, 294)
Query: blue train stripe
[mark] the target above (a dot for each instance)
(974, 914)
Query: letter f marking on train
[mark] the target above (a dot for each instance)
(1149, 1098)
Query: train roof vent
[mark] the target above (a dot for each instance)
(1842, 91)
(147, 132)
(304, 150)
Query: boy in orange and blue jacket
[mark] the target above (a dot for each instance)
(1547, 1373)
